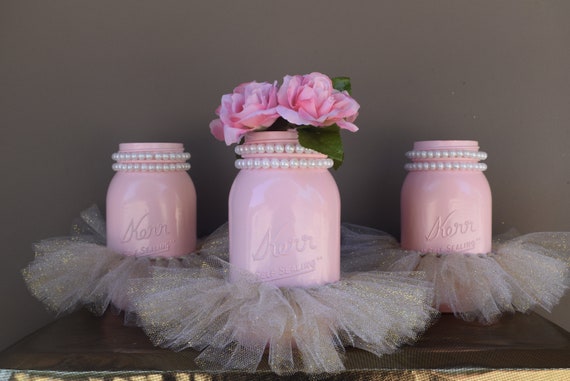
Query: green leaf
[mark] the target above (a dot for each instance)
(325, 140)
(342, 84)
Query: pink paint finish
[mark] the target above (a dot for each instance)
(284, 223)
(446, 210)
(151, 212)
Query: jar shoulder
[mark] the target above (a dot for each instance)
(175, 181)
(435, 180)
(284, 184)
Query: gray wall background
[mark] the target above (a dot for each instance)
(79, 77)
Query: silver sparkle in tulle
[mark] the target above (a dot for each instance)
(384, 297)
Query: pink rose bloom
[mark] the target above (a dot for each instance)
(311, 100)
(251, 106)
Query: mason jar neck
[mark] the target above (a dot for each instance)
(278, 150)
(151, 157)
(446, 155)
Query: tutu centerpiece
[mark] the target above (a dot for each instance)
(151, 221)
(272, 279)
(446, 233)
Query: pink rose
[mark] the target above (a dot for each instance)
(311, 100)
(251, 106)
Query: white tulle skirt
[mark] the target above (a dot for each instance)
(386, 295)
(522, 272)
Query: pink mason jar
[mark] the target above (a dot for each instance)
(284, 212)
(446, 199)
(151, 201)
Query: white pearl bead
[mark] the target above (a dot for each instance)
(303, 163)
(294, 163)
(289, 148)
(260, 148)
(265, 163)
(299, 149)
(279, 148)
(275, 163)
(284, 163)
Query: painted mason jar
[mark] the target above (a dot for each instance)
(284, 212)
(446, 199)
(151, 201)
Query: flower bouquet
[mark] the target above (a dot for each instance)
(317, 106)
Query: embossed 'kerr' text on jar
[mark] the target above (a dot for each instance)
(446, 199)
(151, 201)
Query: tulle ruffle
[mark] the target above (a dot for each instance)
(233, 322)
(74, 271)
(521, 273)
(385, 296)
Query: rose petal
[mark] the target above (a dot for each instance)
(217, 129)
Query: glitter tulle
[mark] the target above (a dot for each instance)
(522, 272)
(385, 297)
(233, 322)
(79, 270)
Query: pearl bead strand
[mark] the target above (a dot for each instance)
(445, 166)
(151, 167)
(459, 154)
(158, 156)
(275, 163)
(269, 148)
(150, 161)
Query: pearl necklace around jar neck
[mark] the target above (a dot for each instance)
(289, 156)
(151, 161)
(436, 160)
